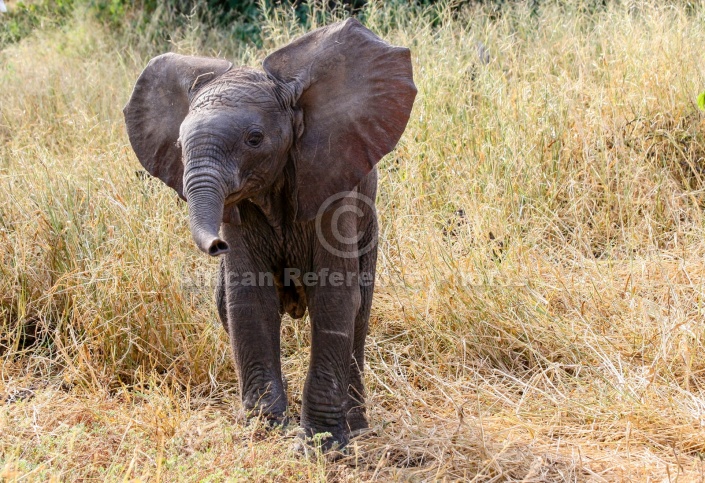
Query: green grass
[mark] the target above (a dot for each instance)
(552, 331)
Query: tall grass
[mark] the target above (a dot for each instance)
(540, 302)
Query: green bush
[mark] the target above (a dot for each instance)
(156, 19)
(24, 18)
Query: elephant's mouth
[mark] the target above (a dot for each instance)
(231, 213)
(233, 197)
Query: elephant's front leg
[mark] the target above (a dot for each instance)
(254, 324)
(333, 310)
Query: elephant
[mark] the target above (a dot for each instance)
(277, 168)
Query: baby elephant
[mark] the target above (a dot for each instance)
(278, 171)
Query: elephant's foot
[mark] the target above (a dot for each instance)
(310, 443)
(355, 410)
(307, 450)
(357, 421)
(269, 419)
(333, 436)
(268, 406)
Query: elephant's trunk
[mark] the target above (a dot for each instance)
(205, 201)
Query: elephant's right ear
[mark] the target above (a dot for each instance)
(157, 107)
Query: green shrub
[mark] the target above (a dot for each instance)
(24, 18)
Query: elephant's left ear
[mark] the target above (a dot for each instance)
(357, 92)
(159, 104)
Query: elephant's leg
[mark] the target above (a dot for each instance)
(254, 328)
(333, 311)
(333, 305)
(220, 298)
(355, 406)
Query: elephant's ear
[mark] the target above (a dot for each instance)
(356, 93)
(157, 107)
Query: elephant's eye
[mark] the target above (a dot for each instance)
(254, 138)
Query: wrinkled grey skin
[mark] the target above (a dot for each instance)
(256, 154)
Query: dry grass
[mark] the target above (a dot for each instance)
(540, 308)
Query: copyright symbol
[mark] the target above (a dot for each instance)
(361, 206)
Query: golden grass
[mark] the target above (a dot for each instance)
(540, 307)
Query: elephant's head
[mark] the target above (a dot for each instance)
(329, 105)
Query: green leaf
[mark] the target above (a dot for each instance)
(701, 101)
